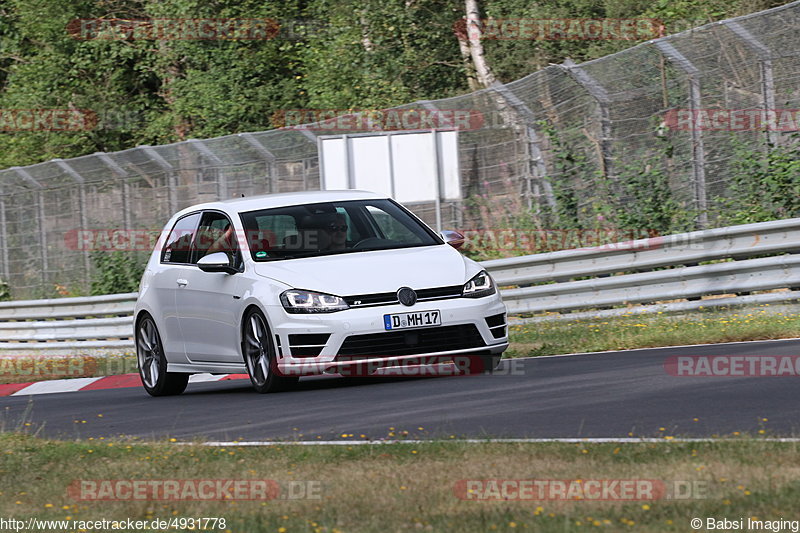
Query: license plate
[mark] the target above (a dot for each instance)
(419, 319)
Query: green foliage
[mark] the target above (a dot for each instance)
(571, 166)
(764, 183)
(354, 54)
(115, 272)
(635, 200)
(646, 203)
(514, 58)
(5, 291)
(376, 54)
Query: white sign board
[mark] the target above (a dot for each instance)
(403, 166)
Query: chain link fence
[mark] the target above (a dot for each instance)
(564, 146)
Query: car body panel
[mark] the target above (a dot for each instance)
(199, 314)
(368, 272)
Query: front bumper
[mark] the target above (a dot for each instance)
(459, 315)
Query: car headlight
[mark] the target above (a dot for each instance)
(479, 286)
(299, 301)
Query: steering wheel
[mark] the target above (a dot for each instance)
(367, 242)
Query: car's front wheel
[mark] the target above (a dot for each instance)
(259, 355)
(153, 362)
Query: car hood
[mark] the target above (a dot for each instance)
(372, 272)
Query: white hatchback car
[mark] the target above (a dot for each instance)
(287, 285)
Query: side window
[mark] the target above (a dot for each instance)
(179, 241)
(216, 234)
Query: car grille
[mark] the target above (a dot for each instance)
(411, 342)
(389, 298)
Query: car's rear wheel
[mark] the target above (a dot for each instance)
(153, 362)
(260, 356)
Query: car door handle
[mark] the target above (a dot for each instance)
(182, 282)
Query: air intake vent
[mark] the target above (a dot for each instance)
(307, 344)
(497, 325)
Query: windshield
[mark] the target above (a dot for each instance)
(332, 228)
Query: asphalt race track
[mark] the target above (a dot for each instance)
(594, 395)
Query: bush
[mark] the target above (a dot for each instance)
(115, 272)
(5, 291)
(765, 184)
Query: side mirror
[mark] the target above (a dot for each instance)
(216, 262)
(453, 238)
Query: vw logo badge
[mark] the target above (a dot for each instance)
(407, 296)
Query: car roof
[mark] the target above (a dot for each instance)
(265, 201)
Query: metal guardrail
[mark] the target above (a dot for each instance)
(646, 271)
(92, 325)
(649, 271)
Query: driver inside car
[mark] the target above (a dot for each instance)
(334, 233)
(323, 232)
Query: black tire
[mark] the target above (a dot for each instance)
(152, 362)
(260, 356)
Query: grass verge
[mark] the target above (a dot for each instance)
(28, 369)
(647, 331)
(410, 486)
